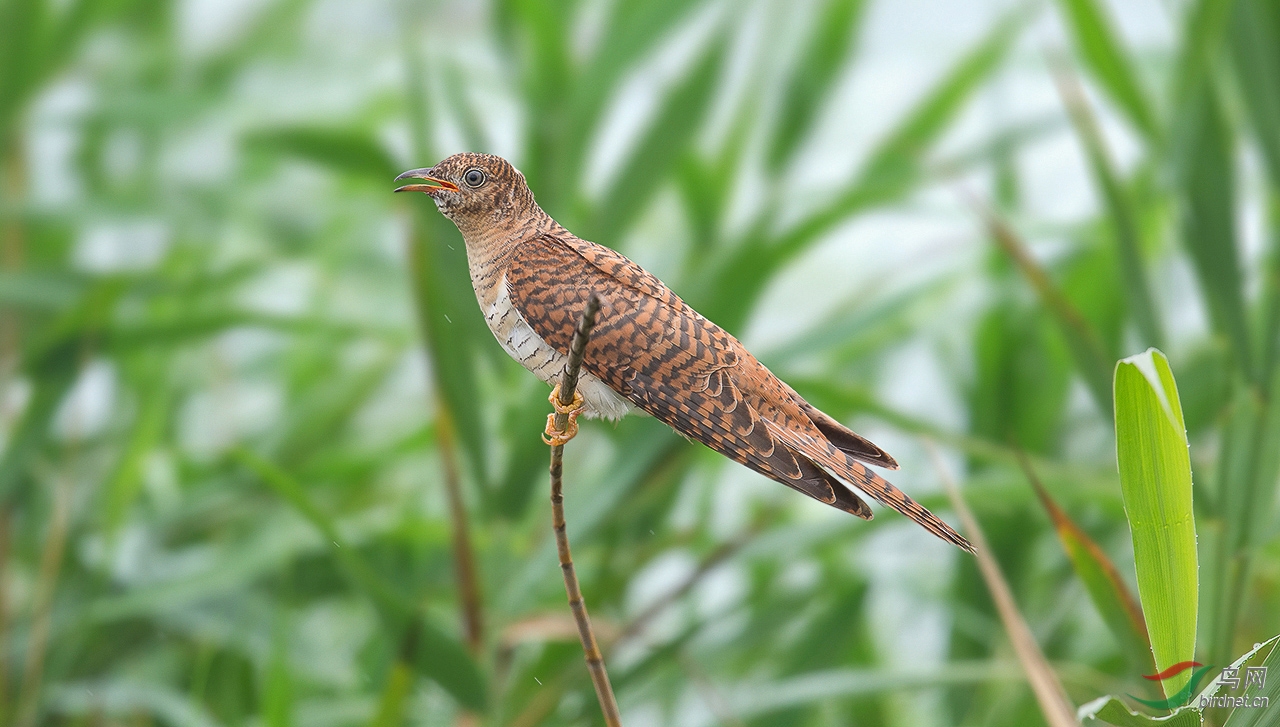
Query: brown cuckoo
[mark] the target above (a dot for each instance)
(649, 350)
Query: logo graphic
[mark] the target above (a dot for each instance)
(1183, 695)
(1254, 676)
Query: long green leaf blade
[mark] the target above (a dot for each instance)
(1155, 480)
(1257, 716)
(1208, 223)
(834, 32)
(1106, 588)
(1081, 338)
(1121, 209)
(653, 159)
(1098, 46)
(438, 656)
(893, 169)
(1255, 46)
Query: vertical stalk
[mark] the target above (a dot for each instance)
(13, 183)
(1128, 236)
(1270, 338)
(5, 538)
(47, 580)
(590, 648)
(1055, 706)
(464, 564)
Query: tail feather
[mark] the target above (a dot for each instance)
(846, 440)
(836, 493)
(803, 475)
(880, 489)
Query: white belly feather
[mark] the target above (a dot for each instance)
(523, 344)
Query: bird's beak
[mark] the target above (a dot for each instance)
(438, 185)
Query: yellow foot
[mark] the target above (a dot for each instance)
(553, 436)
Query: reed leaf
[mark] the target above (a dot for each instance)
(1155, 479)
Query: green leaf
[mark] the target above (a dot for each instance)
(644, 446)
(320, 417)
(1208, 224)
(1098, 46)
(1120, 208)
(1241, 504)
(633, 30)
(1111, 710)
(1247, 469)
(1270, 302)
(1106, 588)
(526, 467)
(1203, 29)
(1155, 479)
(543, 67)
(438, 656)
(653, 160)
(1022, 377)
(348, 151)
(277, 690)
(1082, 340)
(473, 131)
(826, 49)
(449, 317)
(395, 695)
(900, 156)
(818, 687)
(32, 429)
(1255, 46)
(274, 30)
(894, 168)
(125, 483)
(40, 291)
(1270, 691)
(1049, 692)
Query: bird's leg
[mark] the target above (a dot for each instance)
(553, 435)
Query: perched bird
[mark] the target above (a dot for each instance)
(649, 350)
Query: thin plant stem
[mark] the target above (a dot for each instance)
(46, 582)
(708, 564)
(1054, 704)
(5, 536)
(13, 185)
(590, 649)
(464, 562)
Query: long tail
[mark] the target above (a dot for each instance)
(877, 487)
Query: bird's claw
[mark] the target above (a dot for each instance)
(554, 436)
(574, 407)
(557, 438)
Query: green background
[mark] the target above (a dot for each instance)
(247, 401)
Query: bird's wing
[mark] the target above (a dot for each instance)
(660, 354)
(692, 375)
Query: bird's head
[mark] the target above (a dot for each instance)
(473, 189)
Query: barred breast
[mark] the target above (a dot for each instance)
(524, 345)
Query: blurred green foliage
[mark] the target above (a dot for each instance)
(246, 390)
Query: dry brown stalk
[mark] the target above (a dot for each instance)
(590, 648)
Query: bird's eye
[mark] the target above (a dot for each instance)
(473, 177)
